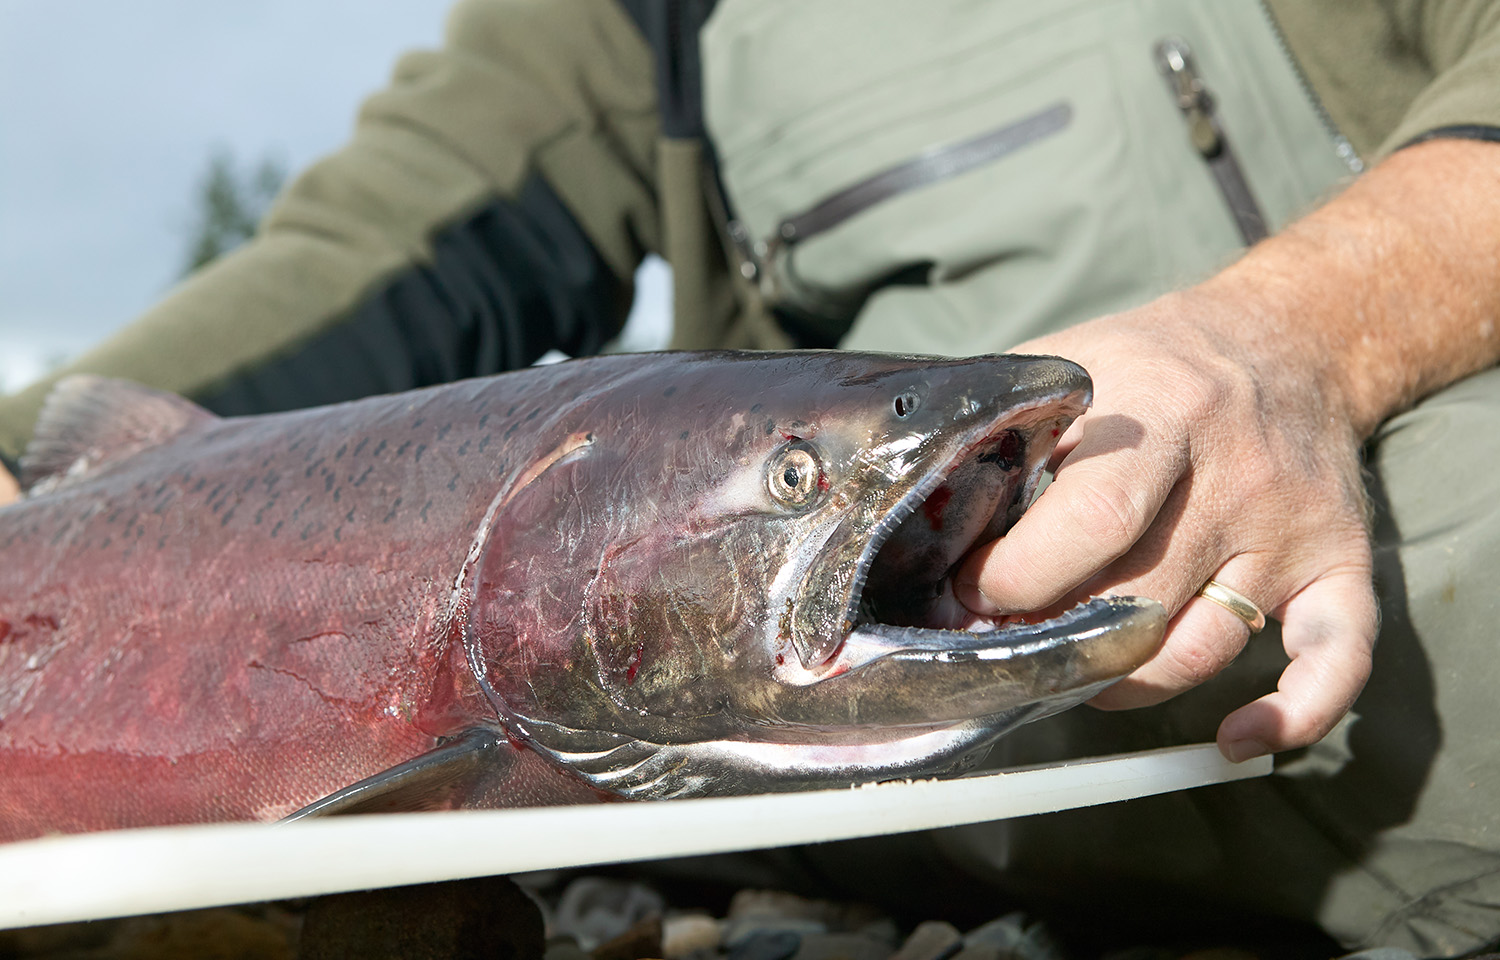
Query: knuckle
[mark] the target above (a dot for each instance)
(1202, 392)
(1107, 514)
(1191, 667)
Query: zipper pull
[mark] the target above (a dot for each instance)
(1175, 61)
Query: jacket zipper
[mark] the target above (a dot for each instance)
(1175, 61)
(1341, 145)
(759, 257)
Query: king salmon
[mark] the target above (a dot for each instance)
(638, 576)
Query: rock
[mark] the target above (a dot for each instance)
(639, 942)
(262, 932)
(1011, 937)
(767, 945)
(736, 931)
(487, 917)
(838, 917)
(684, 935)
(931, 940)
(593, 910)
(564, 948)
(841, 946)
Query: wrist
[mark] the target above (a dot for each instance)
(1388, 292)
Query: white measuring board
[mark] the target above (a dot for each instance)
(154, 870)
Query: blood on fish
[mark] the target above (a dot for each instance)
(824, 484)
(4, 630)
(635, 662)
(780, 660)
(934, 506)
(40, 620)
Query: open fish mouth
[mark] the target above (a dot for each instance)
(903, 594)
(912, 654)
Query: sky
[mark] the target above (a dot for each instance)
(109, 113)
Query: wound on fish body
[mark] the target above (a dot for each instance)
(565, 601)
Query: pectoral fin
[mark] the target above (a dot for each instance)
(440, 779)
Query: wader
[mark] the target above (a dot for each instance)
(954, 177)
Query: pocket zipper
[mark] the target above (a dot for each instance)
(758, 258)
(1175, 61)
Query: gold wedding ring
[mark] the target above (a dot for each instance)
(1236, 603)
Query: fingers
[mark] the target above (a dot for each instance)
(9, 489)
(1201, 641)
(1328, 630)
(1107, 494)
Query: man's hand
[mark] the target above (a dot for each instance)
(9, 489)
(1224, 440)
(1198, 461)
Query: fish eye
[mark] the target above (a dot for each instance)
(795, 474)
(906, 403)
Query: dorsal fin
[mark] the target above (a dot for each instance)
(87, 421)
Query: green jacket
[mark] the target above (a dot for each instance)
(496, 199)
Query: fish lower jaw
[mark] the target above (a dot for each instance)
(647, 771)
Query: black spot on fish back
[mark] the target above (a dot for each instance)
(425, 508)
(379, 449)
(484, 441)
(395, 505)
(417, 457)
(463, 449)
(418, 422)
(313, 467)
(669, 391)
(405, 445)
(343, 449)
(443, 431)
(359, 481)
(360, 446)
(683, 435)
(757, 408)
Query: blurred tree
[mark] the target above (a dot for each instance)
(230, 204)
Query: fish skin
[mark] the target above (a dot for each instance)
(257, 612)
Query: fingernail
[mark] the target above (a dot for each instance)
(1238, 751)
(969, 594)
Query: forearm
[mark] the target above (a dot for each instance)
(1390, 291)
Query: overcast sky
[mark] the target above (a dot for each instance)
(109, 113)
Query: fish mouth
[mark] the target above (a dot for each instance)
(912, 654)
(973, 493)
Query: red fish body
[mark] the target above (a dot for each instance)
(206, 619)
(252, 616)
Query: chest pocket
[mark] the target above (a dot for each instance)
(955, 176)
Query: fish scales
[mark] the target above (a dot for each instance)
(255, 613)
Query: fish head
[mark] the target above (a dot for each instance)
(766, 556)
